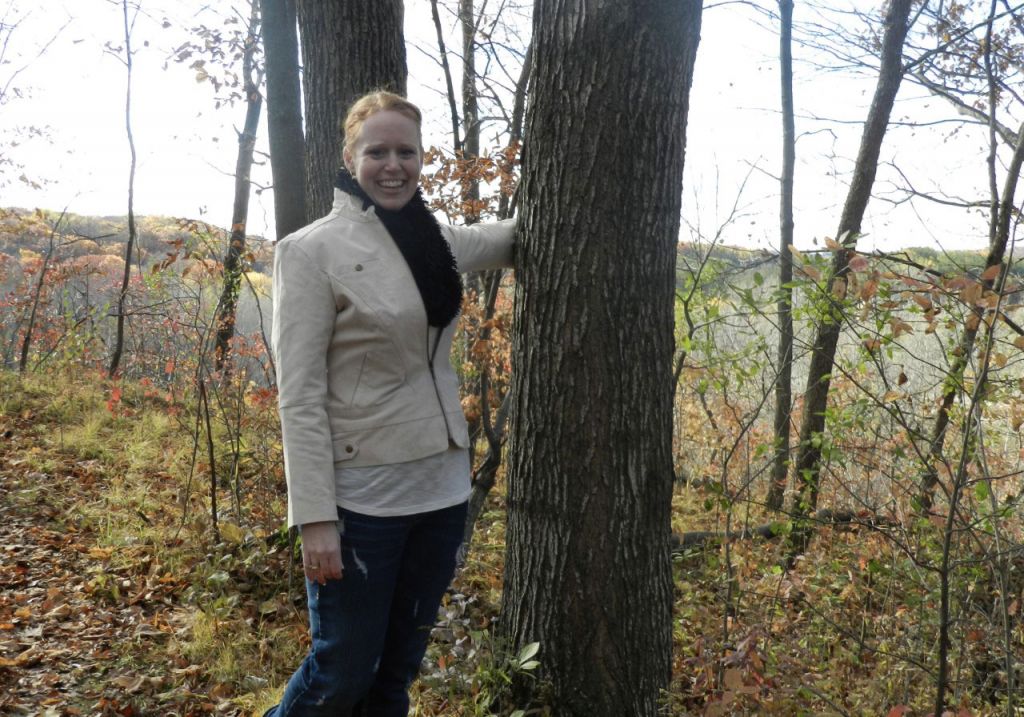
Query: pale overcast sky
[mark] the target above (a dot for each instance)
(187, 147)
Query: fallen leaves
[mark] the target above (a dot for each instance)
(68, 613)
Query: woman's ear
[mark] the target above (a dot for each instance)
(346, 157)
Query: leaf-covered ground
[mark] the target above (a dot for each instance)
(117, 598)
(105, 607)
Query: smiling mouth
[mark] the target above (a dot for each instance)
(391, 183)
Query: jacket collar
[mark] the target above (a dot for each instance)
(351, 207)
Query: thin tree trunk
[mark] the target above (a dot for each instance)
(27, 341)
(1001, 211)
(228, 304)
(349, 47)
(494, 431)
(587, 571)
(204, 400)
(808, 462)
(449, 84)
(470, 109)
(115, 359)
(784, 378)
(284, 114)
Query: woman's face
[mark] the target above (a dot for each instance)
(386, 159)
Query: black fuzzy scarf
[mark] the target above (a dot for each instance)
(418, 236)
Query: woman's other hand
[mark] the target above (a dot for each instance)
(321, 551)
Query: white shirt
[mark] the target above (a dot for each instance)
(417, 486)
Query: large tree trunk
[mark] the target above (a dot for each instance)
(284, 114)
(587, 564)
(349, 47)
(784, 379)
(808, 462)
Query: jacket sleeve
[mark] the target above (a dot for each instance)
(304, 314)
(482, 246)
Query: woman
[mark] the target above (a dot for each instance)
(375, 442)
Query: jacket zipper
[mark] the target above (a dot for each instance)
(433, 377)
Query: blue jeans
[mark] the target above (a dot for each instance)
(370, 628)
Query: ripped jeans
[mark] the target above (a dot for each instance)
(370, 629)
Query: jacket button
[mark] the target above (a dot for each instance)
(359, 267)
(349, 448)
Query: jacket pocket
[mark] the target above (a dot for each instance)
(346, 447)
(380, 377)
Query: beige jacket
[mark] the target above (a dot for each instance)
(350, 338)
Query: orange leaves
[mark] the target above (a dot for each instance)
(858, 263)
(992, 273)
(892, 396)
(114, 400)
(868, 289)
(471, 408)
(451, 184)
(839, 288)
(899, 327)
(923, 300)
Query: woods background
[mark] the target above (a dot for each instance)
(739, 480)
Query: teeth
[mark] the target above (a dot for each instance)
(391, 183)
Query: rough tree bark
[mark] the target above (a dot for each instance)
(227, 306)
(349, 47)
(284, 114)
(587, 564)
(808, 462)
(784, 378)
(470, 108)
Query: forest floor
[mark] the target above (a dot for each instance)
(117, 598)
(114, 600)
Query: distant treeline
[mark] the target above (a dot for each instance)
(732, 261)
(82, 235)
(24, 229)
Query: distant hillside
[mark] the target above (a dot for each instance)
(727, 263)
(79, 235)
(23, 229)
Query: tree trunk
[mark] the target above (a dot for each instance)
(284, 114)
(122, 296)
(808, 462)
(587, 570)
(953, 386)
(442, 52)
(38, 293)
(1001, 209)
(784, 378)
(228, 303)
(470, 109)
(349, 47)
(495, 431)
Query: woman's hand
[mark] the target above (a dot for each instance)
(321, 551)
